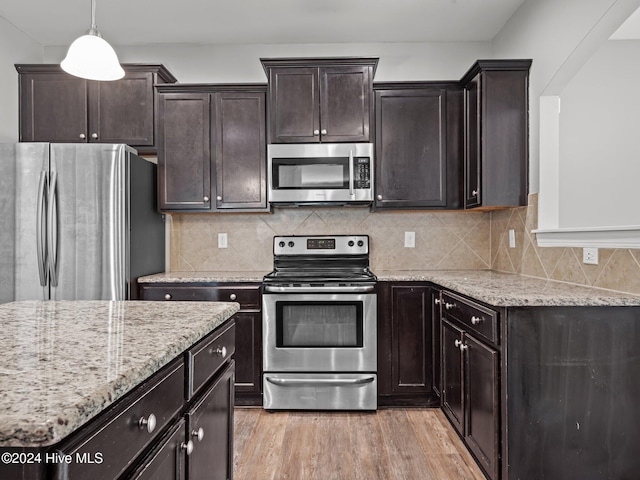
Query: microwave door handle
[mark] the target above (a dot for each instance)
(351, 191)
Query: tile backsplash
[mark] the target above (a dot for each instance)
(617, 269)
(444, 241)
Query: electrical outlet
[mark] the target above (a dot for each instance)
(512, 238)
(222, 240)
(590, 256)
(410, 239)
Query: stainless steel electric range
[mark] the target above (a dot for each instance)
(319, 325)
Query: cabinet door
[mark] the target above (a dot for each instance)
(483, 401)
(184, 157)
(122, 111)
(53, 108)
(248, 357)
(411, 367)
(167, 460)
(411, 148)
(452, 375)
(239, 147)
(294, 105)
(472, 185)
(345, 104)
(210, 423)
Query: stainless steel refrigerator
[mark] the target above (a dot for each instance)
(77, 221)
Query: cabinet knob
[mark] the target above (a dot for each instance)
(316, 132)
(206, 199)
(476, 320)
(233, 296)
(168, 296)
(82, 136)
(199, 434)
(437, 301)
(323, 131)
(149, 423)
(220, 351)
(187, 447)
(457, 343)
(94, 136)
(219, 198)
(449, 306)
(475, 192)
(379, 197)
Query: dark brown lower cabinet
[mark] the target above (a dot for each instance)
(248, 354)
(405, 369)
(210, 427)
(167, 462)
(471, 380)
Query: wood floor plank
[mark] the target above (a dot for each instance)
(390, 444)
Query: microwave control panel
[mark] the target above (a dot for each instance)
(362, 172)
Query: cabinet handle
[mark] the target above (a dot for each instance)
(220, 351)
(82, 136)
(168, 296)
(233, 296)
(475, 192)
(437, 301)
(219, 198)
(323, 131)
(379, 197)
(187, 447)
(94, 136)
(476, 320)
(199, 434)
(460, 345)
(148, 423)
(316, 132)
(457, 343)
(449, 306)
(206, 199)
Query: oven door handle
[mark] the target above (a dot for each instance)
(313, 289)
(351, 179)
(333, 382)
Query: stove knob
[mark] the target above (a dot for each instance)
(291, 244)
(281, 244)
(360, 243)
(351, 243)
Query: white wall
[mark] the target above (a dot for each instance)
(600, 140)
(15, 47)
(241, 63)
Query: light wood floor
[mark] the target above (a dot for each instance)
(390, 444)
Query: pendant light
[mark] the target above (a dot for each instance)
(91, 57)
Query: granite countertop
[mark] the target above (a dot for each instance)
(513, 290)
(196, 277)
(63, 362)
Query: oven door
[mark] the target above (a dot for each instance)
(319, 332)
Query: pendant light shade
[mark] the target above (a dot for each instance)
(91, 57)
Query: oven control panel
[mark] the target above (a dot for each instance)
(321, 245)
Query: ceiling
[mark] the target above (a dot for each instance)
(140, 22)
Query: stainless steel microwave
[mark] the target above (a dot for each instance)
(320, 173)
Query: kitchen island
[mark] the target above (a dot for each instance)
(73, 369)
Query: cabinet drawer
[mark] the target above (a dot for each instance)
(248, 296)
(121, 438)
(477, 318)
(205, 358)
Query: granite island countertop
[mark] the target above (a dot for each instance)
(64, 362)
(513, 290)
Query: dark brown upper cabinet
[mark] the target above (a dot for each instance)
(419, 145)
(320, 100)
(58, 107)
(212, 148)
(496, 133)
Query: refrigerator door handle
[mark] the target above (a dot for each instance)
(52, 223)
(41, 229)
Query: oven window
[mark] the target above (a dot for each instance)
(319, 324)
(310, 173)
